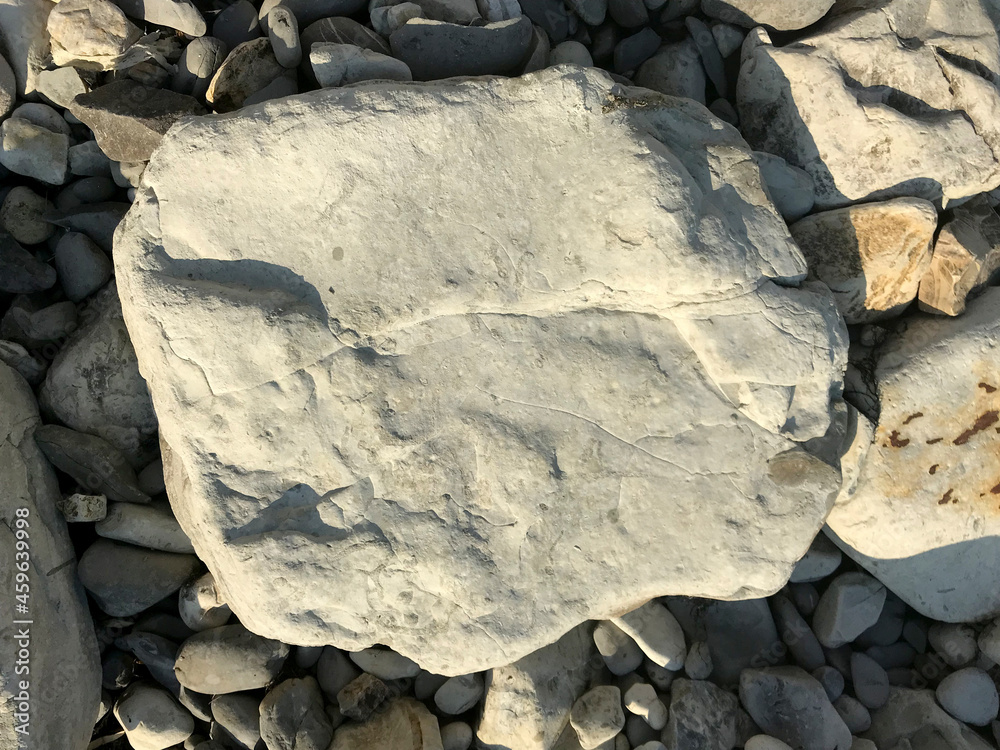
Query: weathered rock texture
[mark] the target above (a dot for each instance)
(924, 514)
(64, 687)
(446, 388)
(966, 256)
(895, 99)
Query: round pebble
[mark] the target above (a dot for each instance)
(597, 716)
(385, 663)
(970, 696)
(456, 736)
(283, 31)
(765, 742)
(698, 663)
(621, 654)
(21, 216)
(871, 683)
(459, 694)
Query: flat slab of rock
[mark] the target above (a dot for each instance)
(870, 118)
(129, 119)
(396, 402)
(922, 516)
(65, 678)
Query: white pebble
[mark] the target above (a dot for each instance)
(970, 696)
(620, 652)
(456, 736)
(641, 700)
(283, 31)
(657, 632)
(385, 663)
(764, 742)
(201, 605)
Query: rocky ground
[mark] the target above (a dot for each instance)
(641, 395)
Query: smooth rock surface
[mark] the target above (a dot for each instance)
(872, 256)
(675, 70)
(94, 385)
(970, 696)
(870, 118)
(850, 605)
(527, 703)
(65, 665)
(434, 49)
(124, 580)
(966, 256)
(278, 493)
(152, 719)
(246, 70)
(228, 659)
(200, 605)
(341, 64)
(239, 714)
(182, 15)
(922, 517)
(129, 119)
(791, 188)
(82, 266)
(151, 526)
(33, 151)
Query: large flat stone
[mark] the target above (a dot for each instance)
(895, 99)
(64, 682)
(923, 513)
(460, 378)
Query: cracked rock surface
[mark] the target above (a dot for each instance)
(383, 439)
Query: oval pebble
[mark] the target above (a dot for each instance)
(970, 696)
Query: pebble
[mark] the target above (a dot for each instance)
(674, 70)
(87, 160)
(711, 59)
(915, 633)
(969, 695)
(44, 116)
(456, 736)
(796, 634)
(764, 742)
(341, 64)
(361, 696)
(156, 653)
(236, 24)
(850, 605)
(633, 51)
(60, 86)
(283, 31)
(831, 680)
(201, 605)
(125, 580)
(792, 189)
(641, 700)
(459, 694)
(425, 684)
(199, 704)
(8, 87)
(284, 85)
(33, 151)
(28, 366)
(151, 478)
(804, 596)
(96, 220)
(853, 712)
(228, 659)
(170, 627)
(434, 49)
(698, 662)
(896, 655)
(629, 14)
(87, 190)
(591, 12)
(503, 10)
(871, 683)
(657, 632)
(385, 663)
(90, 34)
(341, 30)
(571, 53)
(77, 508)
(308, 11)
(151, 526)
(549, 15)
(955, 643)
(597, 716)
(728, 38)
(246, 70)
(334, 671)
(127, 173)
(306, 657)
(700, 709)
(117, 669)
(292, 717)
(197, 66)
(129, 120)
(21, 216)
(151, 718)
(740, 634)
(620, 652)
(776, 697)
(239, 714)
(94, 463)
(51, 323)
(405, 724)
(989, 641)
(20, 271)
(637, 731)
(539, 50)
(651, 745)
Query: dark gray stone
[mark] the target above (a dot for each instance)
(96, 220)
(20, 271)
(702, 717)
(633, 51)
(237, 23)
(433, 49)
(83, 267)
(292, 717)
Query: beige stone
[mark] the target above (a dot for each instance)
(966, 255)
(90, 34)
(405, 725)
(872, 256)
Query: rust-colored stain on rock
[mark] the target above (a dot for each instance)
(933, 469)
(947, 496)
(910, 418)
(987, 387)
(895, 442)
(983, 422)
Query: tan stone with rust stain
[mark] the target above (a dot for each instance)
(931, 476)
(966, 256)
(871, 255)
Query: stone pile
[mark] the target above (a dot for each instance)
(639, 392)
